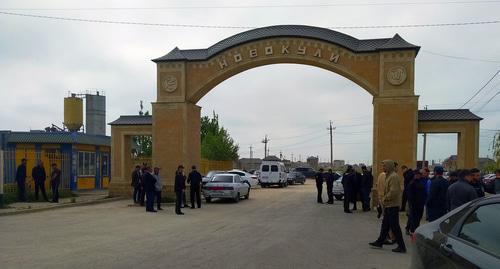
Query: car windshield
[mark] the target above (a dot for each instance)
(213, 173)
(223, 179)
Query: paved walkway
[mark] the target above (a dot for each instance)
(83, 198)
(275, 228)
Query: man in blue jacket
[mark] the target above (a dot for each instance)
(436, 201)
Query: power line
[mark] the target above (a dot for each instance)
(361, 4)
(244, 27)
(477, 92)
(489, 100)
(460, 57)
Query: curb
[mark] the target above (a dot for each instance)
(92, 202)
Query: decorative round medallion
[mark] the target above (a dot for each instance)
(169, 83)
(396, 75)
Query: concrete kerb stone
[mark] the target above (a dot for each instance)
(65, 205)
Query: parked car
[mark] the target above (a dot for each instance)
(306, 171)
(209, 176)
(467, 237)
(273, 173)
(338, 189)
(489, 183)
(252, 180)
(295, 177)
(226, 186)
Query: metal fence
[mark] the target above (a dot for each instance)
(12, 159)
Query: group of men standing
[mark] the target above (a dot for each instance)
(147, 187)
(356, 186)
(39, 176)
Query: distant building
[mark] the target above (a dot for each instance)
(249, 164)
(313, 162)
(450, 163)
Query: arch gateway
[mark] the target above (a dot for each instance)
(383, 67)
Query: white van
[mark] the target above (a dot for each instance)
(272, 173)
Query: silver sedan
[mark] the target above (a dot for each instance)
(226, 186)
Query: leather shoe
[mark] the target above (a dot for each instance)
(389, 242)
(347, 211)
(399, 250)
(375, 244)
(180, 213)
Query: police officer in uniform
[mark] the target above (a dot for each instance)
(194, 179)
(179, 186)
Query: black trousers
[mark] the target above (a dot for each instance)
(158, 199)
(150, 200)
(178, 200)
(329, 192)
(21, 190)
(415, 216)
(142, 195)
(365, 196)
(347, 200)
(40, 187)
(195, 195)
(354, 198)
(137, 194)
(390, 221)
(54, 185)
(320, 193)
(404, 200)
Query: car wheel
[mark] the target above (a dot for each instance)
(249, 186)
(338, 197)
(248, 195)
(208, 199)
(237, 198)
(303, 182)
(286, 184)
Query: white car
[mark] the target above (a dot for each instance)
(338, 189)
(209, 176)
(226, 186)
(252, 180)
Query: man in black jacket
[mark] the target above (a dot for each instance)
(330, 177)
(55, 180)
(366, 187)
(149, 188)
(348, 180)
(416, 202)
(436, 201)
(179, 186)
(461, 192)
(39, 176)
(136, 184)
(194, 179)
(21, 181)
(476, 182)
(319, 185)
(408, 176)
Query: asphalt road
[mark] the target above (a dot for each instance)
(275, 228)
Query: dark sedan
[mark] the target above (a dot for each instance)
(467, 237)
(295, 177)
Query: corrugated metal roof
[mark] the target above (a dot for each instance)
(133, 120)
(57, 138)
(447, 115)
(323, 34)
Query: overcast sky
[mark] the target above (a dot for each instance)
(42, 60)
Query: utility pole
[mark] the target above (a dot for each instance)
(425, 146)
(251, 152)
(292, 157)
(265, 141)
(331, 128)
(281, 155)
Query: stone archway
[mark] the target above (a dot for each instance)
(383, 67)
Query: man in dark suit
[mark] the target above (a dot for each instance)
(348, 181)
(194, 179)
(330, 177)
(136, 184)
(408, 177)
(21, 181)
(366, 187)
(39, 176)
(179, 186)
(55, 180)
(319, 185)
(149, 189)
(436, 201)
